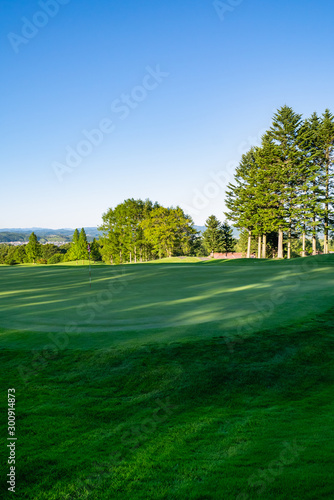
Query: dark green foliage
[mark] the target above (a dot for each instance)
(95, 253)
(78, 248)
(123, 238)
(326, 173)
(10, 261)
(33, 248)
(196, 245)
(241, 245)
(73, 253)
(286, 185)
(7, 252)
(217, 237)
(63, 249)
(49, 250)
(227, 239)
(20, 254)
(168, 231)
(82, 245)
(241, 195)
(56, 258)
(137, 230)
(212, 236)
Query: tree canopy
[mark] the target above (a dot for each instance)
(285, 186)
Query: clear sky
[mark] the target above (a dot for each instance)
(178, 88)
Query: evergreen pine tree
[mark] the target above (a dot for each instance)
(269, 214)
(227, 239)
(212, 236)
(73, 252)
(82, 245)
(285, 133)
(309, 199)
(241, 197)
(33, 248)
(326, 177)
(94, 251)
(20, 255)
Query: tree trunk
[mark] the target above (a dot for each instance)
(326, 240)
(314, 245)
(304, 245)
(249, 244)
(135, 250)
(130, 258)
(289, 244)
(264, 246)
(280, 245)
(259, 247)
(326, 209)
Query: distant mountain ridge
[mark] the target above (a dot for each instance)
(44, 234)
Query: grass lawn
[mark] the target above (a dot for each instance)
(180, 380)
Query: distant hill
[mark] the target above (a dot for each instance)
(44, 234)
(6, 236)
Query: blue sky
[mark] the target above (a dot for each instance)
(218, 77)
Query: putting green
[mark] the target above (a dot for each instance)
(160, 303)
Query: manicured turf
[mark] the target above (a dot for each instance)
(206, 380)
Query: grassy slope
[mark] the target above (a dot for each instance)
(237, 401)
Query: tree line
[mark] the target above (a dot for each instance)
(138, 231)
(282, 196)
(133, 231)
(34, 252)
(284, 189)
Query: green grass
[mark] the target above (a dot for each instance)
(241, 350)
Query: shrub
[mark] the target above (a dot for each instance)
(56, 258)
(11, 262)
(42, 261)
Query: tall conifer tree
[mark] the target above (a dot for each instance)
(285, 134)
(33, 248)
(212, 236)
